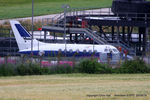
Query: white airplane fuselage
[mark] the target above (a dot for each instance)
(23, 39)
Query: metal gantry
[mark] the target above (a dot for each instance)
(120, 28)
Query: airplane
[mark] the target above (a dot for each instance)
(24, 39)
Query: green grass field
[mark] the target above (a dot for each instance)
(23, 8)
(76, 87)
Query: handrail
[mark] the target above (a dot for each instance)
(102, 11)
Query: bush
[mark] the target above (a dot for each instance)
(27, 24)
(61, 69)
(32, 69)
(85, 66)
(134, 66)
(88, 66)
(45, 71)
(7, 70)
(28, 69)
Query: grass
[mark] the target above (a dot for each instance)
(23, 8)
(75, 87)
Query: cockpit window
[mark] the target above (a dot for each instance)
(114, 50)
(106, 50)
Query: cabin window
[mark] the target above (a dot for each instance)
(60, 50)
(65, 50)
(84, 51)
(90, 51)
(77, 50)
(70, 50)
(95, 51)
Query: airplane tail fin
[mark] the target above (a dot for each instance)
(23, 38)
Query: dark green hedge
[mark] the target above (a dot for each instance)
(33, 69)
(92, 66)
(133, 66)
(85, 66)
(7, 70)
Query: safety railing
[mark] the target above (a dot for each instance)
(85, 11)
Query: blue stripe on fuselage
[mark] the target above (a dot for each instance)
(22, 31)
(62, 53)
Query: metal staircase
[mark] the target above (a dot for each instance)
(57, 25)
(96, 38)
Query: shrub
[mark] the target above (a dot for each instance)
(62, 69)
(85, 66)
(134, 66)
(88, 66)
(24, 69)
(31, 69)
(7, 70)
(28, 24)
(45, 71)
